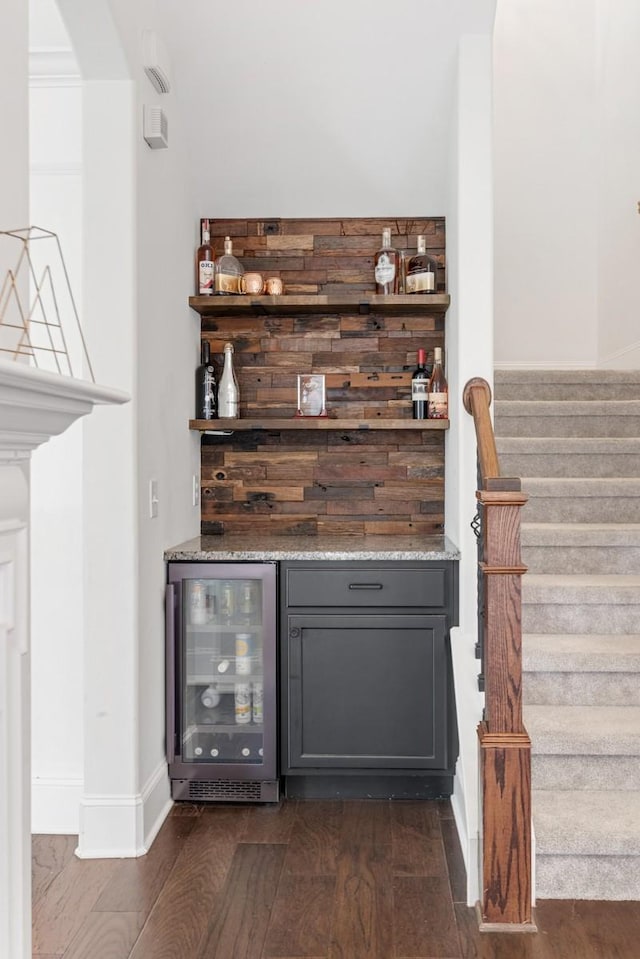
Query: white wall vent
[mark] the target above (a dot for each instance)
(156, 61)
(155, 127)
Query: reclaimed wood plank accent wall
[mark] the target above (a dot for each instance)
(388, 482)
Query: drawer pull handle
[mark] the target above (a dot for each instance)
(365, 585)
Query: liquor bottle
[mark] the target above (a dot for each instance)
(228, 271)
(386, 265)
(419, 387)
(438, 389)
(206, 399)
(205, 263)
(228, 395)
(421, 270)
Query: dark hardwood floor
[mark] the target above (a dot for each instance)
(302, 880)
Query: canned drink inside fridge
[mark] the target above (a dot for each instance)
(227, 601)
(198, 603)
(243, 653)
(243, 703)
(257, 703)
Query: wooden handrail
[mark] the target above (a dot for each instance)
(505, 748)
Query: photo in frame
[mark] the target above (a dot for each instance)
(311, 394)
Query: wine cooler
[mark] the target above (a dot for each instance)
(221, 681)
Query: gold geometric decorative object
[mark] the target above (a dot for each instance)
(39, 322)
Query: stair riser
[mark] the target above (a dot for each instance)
(569, 464)
(568, 560)
(583, 509)
(558, 618)
(567, 391)
(581, 689)
(587, 877)
(621, 773)
(567, 425)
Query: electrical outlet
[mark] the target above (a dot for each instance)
(196, 490)
(153, 498)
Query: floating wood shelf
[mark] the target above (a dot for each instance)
(405, 305)
(313, 423)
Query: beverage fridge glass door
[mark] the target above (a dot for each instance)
(225, 667)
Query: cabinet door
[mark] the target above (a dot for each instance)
(366, 692)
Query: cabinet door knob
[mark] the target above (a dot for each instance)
(294, 632)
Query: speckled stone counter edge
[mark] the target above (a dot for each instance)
(257, 548)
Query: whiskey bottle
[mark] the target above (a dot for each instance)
(421, 270)
(438, 389)
(228, 395)
(386, 265)
(206, 401)
(205, 260)
(228, 271)
(419, 387)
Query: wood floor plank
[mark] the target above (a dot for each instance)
(363, 910)
(455, 861)
(106, 935)
(49, 856)
(315, 839)
(270, 823)
(136, 884)
(416, 840)
(177, 924)
(424, 921)
(503, 945)
(67, 902)
(590, 929)
(241, 914)
(300, 922)
(366, 821)
(228, 821)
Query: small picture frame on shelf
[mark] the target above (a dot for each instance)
(311, 395)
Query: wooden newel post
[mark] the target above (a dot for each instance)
(504, 746)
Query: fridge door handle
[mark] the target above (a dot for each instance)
(170, 669)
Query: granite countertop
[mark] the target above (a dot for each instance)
(261, 546)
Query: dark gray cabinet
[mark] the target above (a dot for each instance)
(366, 674)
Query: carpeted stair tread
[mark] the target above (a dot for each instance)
(572, 486)
(567, 384)
(584, 730)
(574, 652)
(596, 456)
(587, 822)
(580, 534)
(583, 589)
(570, 418)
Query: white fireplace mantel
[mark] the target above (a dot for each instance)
(34, 406)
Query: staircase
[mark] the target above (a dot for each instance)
(574, 438)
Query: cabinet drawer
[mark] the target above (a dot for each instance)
(366, 587)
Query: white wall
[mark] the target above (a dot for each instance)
(57, 596)
(618, 223)
(567, 150)
(546, 249)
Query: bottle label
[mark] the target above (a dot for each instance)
(420, 282)
(438, 406)
(205, 277)
(209, 406)
(227, 283)
(385, 270)
(419, 390)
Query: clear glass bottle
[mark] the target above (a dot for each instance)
(205, 263)
(421, 270)
(228, 270)
(386, 265)
(228, 393)
(438, 389)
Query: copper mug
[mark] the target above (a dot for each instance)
(274, 286)
(252, 283)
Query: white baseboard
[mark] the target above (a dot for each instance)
(113, 827)
(470, 851)
(55, 806)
